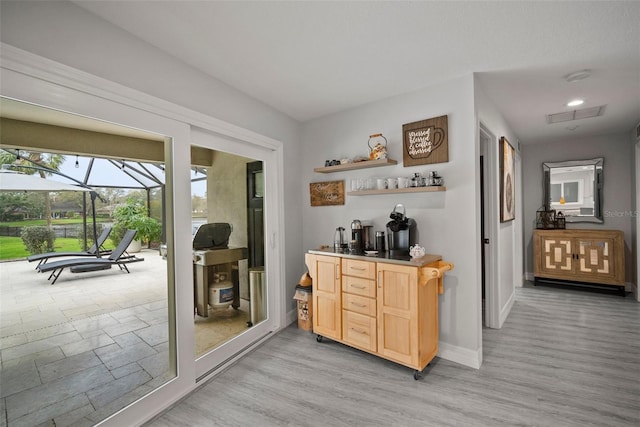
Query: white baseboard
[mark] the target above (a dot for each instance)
(292, 316)
(460, 355)
(504, 313)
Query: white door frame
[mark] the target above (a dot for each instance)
(31, 78)
(489, 149)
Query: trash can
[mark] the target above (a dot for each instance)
(305, 307)
(257, 301)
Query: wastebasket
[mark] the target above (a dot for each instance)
(257, 301)
(305, 307)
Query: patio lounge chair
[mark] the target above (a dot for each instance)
(80, 265)
(42, 258)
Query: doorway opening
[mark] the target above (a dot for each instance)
(488, 230)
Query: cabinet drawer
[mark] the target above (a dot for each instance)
(364, 269)
(358, 286)
(359, 304)
(359, 330)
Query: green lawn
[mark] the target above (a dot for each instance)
(13, 247)
(32, 222)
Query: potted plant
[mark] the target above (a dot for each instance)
(133, 216)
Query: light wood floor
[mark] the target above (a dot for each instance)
(563, 358)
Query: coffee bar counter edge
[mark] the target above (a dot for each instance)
(383, 257)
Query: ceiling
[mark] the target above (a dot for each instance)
(311, 59)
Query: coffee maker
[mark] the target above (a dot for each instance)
(401, 233)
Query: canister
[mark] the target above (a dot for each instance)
(380, 241)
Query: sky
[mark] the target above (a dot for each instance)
(105, 173)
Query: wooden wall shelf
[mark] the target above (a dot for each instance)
(357, 165)
(398, 190)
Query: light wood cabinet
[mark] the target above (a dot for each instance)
(327, 295)
(359, 304)
(389, 309)
(580, 256)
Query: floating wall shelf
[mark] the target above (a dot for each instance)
(399, 190)
(357, 165)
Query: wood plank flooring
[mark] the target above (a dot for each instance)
(563, 358)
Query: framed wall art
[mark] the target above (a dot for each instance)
(425, 142)
(507, 181)
(329, 193)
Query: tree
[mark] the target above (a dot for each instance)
(29, 158)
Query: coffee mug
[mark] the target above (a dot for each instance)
(403, 182)
(392, 183)
(381, 183)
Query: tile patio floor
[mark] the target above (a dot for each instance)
(75, 352)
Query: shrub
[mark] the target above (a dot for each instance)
(38, 239)
(133, 216)
(90, 239)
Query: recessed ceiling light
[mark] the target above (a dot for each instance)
(578, 75)
(572, 128)
(575, 102)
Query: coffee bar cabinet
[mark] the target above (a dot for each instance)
(386, 307)
(580, 257)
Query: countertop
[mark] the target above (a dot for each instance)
(382, 257)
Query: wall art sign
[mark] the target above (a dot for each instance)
(329, 193)
(426, 142)
(507, 181)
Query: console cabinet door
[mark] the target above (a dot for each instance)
(556, 254)
(325, 272)
(397, 301)
(595, 257)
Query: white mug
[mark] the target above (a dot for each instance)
(381, 183)
(403, 182)
(392, 183)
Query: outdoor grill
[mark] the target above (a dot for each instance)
(212, 257)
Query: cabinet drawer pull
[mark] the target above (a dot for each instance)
(357, 268)
(337, 272)
(357, 305)
(360, 331)
(359, 286)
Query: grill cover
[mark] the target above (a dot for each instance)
(214, 235)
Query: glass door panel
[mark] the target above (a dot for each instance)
(229, 279)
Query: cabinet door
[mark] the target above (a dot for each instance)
(595, 258)
(325, 272)
(397, 301)
(556, 254)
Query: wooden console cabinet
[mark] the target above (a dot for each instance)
(386, 308)
(580, 256)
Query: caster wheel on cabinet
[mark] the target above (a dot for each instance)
(319, 338)
(417, 375)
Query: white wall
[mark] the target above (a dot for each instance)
(68, 34)
(618, 164)
(446, 221)
(509, 245)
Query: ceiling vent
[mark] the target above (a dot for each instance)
(568, 116)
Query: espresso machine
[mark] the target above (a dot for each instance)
(401, 233)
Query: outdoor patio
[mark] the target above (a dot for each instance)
(80, 350)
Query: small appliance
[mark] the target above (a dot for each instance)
(401, 233)
(356, 246)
